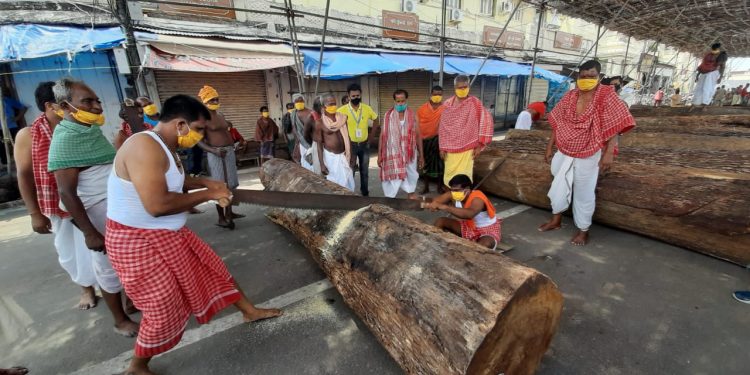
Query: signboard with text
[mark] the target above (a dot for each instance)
(408, 22)
(568, 41)
(509, 39)
(197, 8)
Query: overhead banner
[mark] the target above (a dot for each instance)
(509, 39)
(157, 59)
(198, 8)
(409, 22)
(568, 41)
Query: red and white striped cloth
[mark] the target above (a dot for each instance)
(397, 145)
(169, 275)
(581, 136)
(46, 185)
(465, 125)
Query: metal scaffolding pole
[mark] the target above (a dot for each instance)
(295, 46)
(322, 44)
(7, 140)
(492, 49)
(536, 49)
(442, 43)
(596, 45)
(625, 60)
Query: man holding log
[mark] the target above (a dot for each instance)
(400, 154)
(466, 128)
(585, 125)
(166, 269)
(334, 146)
(477, 220)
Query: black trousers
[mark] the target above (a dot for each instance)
(362, 152)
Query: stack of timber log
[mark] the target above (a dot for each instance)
(648, 111)
(438, 304)
(683, 183)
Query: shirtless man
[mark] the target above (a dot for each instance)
(220, 147)
(334, 151)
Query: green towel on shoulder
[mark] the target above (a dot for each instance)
(78, 146)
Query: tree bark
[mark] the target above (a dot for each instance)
(438, 304)
(696, 200)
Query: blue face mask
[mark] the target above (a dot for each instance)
(400, 107)
(149, 121)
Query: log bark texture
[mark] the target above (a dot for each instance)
(648, 111)
(696, 200)
(438, 304)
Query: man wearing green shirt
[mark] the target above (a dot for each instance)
(358, 123)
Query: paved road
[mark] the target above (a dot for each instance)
(632, 306)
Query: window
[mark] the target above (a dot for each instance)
(455, 4)
(487, 7)
(519, 15)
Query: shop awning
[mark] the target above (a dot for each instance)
(339, 64)
(28, 41)
(205, 55)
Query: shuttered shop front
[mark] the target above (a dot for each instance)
(417, 84)
(241, 94)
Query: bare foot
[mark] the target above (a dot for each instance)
(550, 225)
(88, 298)
(127, 328)
(18, 370)
(581, 238)
(260, 314)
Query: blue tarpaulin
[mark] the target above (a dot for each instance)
(339, 64)
(28, 41)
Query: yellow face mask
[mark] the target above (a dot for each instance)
(290, 110)
(87, 118)
(264, 114)
(331, 109)
(462, 93)
(150, 109)
(436, 98)
(716, 51)
(587, 84)
(188, 140)
(299, 106)
(458, 196)
(60, 113)
(213, 107)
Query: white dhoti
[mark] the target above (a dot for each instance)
(92, 191)
(408, 185)
(575, 179)
(339, 170)
(705, 88)
(72, 253)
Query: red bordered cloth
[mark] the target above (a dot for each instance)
(474, 234)
(397, 144)
(169, 275)
(464, 125)
(46, 185)
(581, 136)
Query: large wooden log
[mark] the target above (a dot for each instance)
(646, 111)
(696, 200)
(437, 303)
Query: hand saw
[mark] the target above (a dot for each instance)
(322, 201)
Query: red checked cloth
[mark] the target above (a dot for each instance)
(128, 131)
(474, 234)
(397, 145)
(581, 136)
(465, 125)
(169, 275)
(46, 185)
